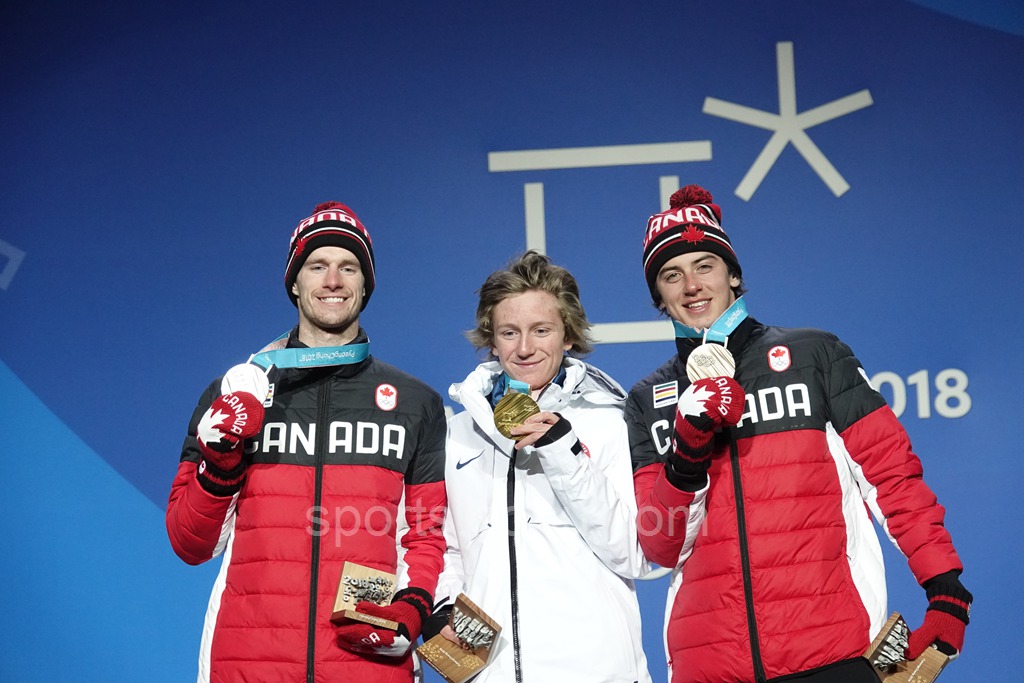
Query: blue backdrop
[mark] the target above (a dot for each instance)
(156, 156)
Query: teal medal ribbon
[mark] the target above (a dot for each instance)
(504, 385)
(516, 385)
(720, 329)
(310, 357)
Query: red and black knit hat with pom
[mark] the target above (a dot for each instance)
(332, 225)
(692, 223)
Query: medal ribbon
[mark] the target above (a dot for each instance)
(311, 357)
(505, 384)
(720, 329)
(516, 385)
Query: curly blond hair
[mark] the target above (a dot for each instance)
(529, 272)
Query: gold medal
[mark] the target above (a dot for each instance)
(512, 411)
(710, 360)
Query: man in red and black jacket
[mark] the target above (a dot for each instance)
(760, 454)
(313, 454)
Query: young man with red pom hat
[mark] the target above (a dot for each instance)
(756, 452)
(313, 454)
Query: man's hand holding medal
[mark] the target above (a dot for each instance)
(518, 417)
(713, 400)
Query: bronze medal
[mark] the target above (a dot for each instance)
(710, 360)
(511, 411)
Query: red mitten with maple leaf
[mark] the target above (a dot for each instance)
(706, 405)
(233, 418)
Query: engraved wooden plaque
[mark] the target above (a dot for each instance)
(357, 583)
(476, 629)
(925, 669)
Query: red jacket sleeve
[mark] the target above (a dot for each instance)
(667, 518)
(911, 512)
(893, 483)
(196, 520)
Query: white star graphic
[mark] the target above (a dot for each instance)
(789, 126)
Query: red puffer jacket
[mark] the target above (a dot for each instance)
(325, 485)
(778, 568)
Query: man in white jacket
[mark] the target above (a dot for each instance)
(541, 527)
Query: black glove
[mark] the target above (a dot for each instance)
(436, 621)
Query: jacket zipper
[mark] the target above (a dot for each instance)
(323, 392)
(748, 591)
(510, 495)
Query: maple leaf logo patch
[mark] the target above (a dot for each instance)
(386, 397)
(692, 234)
(779, 359)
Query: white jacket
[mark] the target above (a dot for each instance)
(575, 533)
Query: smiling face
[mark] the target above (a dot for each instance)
(696, 288)
(329, 290)
(529, 337)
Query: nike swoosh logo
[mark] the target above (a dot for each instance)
(462, 463)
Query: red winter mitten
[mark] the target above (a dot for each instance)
(410, 609)
(946, 619)
(231, 420)
(706, 405)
